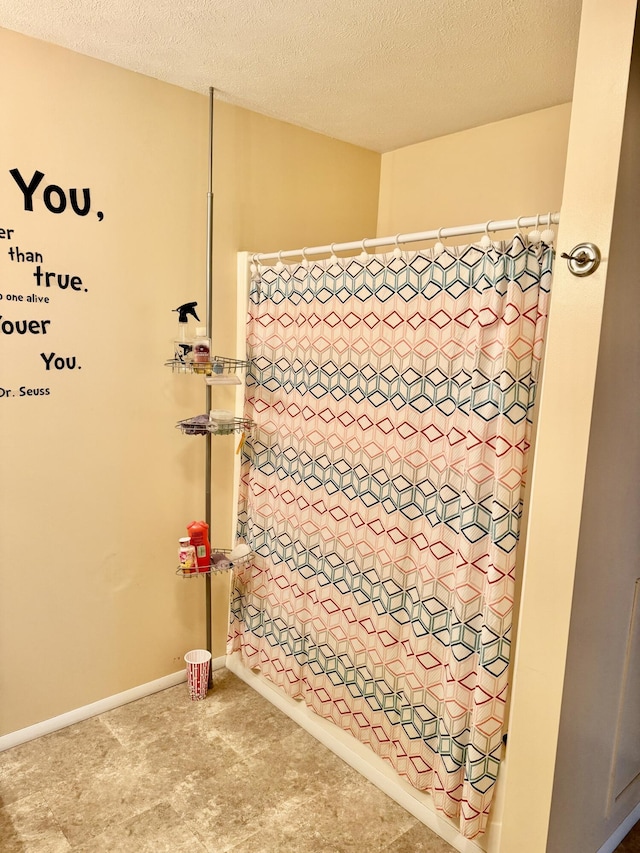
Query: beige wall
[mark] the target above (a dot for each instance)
(97, 485)
(277, 187)
(498, 171)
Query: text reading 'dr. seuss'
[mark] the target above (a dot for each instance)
(23, 391)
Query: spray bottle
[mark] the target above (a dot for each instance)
(183, 344)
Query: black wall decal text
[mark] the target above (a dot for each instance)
(23, 327)
(63, 280)
(54, 196)
(60, 362)
(24, 257)
(25, 392)
(19, 297)
(51, 282)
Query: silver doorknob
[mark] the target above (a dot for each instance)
(584, 259)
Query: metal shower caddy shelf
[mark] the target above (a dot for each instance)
(220, 370)
(219, 366)
(218, 567)
(201, 425)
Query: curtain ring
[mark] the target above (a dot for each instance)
(397, 252)
(548, 235)
(333, 259)
(438, 249)
(485, 241)
(364, 255)
(305, 260)
(519, 230)
(535, 236)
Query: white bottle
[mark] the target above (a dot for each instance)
(186, 556)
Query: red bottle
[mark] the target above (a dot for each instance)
(199, 534)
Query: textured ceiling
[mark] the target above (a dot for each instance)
(377, 74)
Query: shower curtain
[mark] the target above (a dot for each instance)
(381, 492)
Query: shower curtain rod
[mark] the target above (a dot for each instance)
(547, 219)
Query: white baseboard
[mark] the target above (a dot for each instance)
(358, 756)
(99, 707)
(625, 827)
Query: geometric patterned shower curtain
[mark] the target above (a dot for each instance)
(382, 492)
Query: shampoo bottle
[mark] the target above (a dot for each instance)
(183, 344)
(199, 535)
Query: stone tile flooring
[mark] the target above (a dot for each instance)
(230, 773)
(167, 775)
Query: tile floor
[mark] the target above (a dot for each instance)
(230, 773)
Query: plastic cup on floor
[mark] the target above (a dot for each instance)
(198, 664)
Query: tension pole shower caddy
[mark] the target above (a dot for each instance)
(219, 370)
